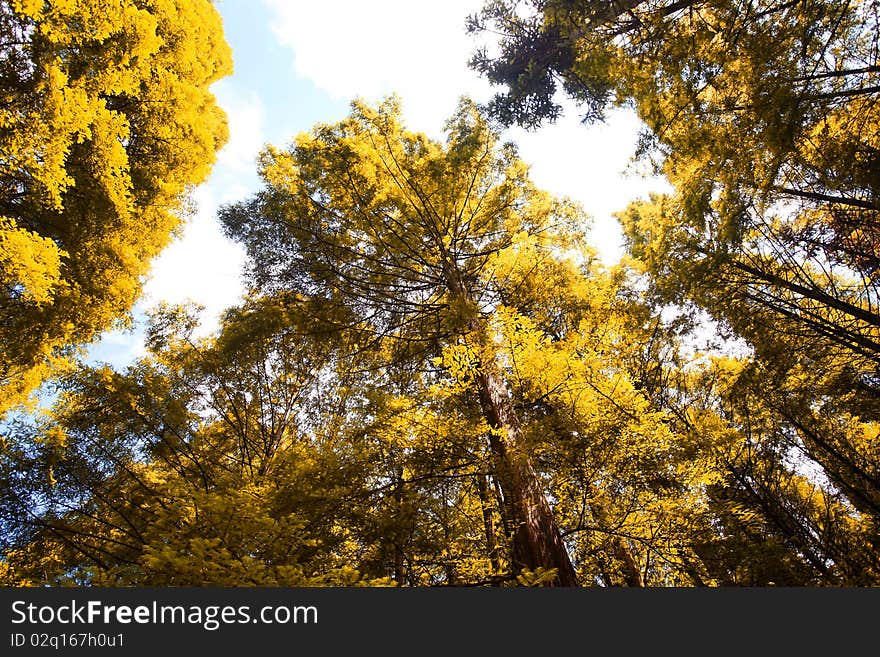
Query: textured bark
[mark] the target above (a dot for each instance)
(488, 524)
(537, 542)
(535, 537)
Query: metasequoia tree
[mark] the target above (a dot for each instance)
(284, 452)
(296, 447)
(205, 463)
(399, 232)
(769, 519)
(107, 120)
(263, 456)
(764, 116)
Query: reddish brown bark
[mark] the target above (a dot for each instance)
(537, 542)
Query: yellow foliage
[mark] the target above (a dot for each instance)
(99, 144)
(30, 265)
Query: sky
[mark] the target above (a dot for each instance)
(301, 62)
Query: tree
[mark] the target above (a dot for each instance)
(400, 232)
(429, 355)
(205, 463)
(764, 117)
(277, 453)
(107, 121)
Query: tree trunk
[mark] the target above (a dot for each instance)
(536, 540)
(629, 569)
(488, 524)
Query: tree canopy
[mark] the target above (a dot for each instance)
(433, 380)
(106, 122)
(764, 117)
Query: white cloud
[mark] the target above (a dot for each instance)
(246, 119)
(202, 266)
(589, 164)
(118, 347)
(370, 49)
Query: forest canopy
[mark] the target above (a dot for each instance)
(434, 381)
(106, 123)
